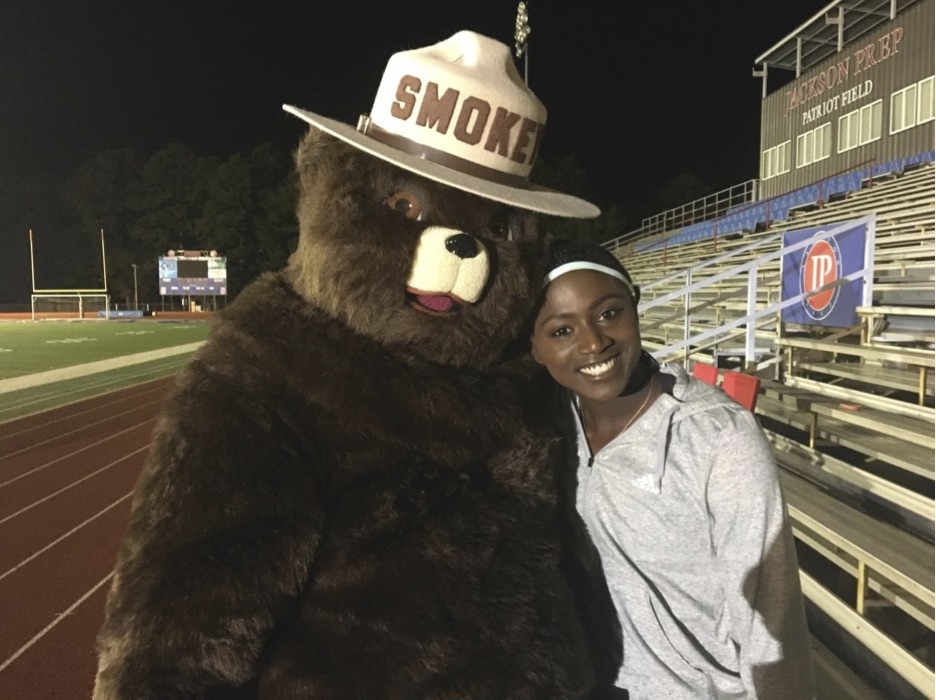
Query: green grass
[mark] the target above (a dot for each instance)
(27, 347)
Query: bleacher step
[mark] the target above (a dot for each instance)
(837, 476)
(788, 413)
(796, 407)
(880, 422)
(900, 557)
(910, 457)
(892, 377)
(835, 680)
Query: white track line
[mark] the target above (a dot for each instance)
(72, 485)
(67, 534)
(80, 429)
(75, 414)
(83, 389)
(71, 454)
(61, 616)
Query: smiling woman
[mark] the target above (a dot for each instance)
(588, 338)
(679, 493)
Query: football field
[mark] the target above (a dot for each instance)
(28, 347)
(52, 363)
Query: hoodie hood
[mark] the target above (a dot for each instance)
(690, 397)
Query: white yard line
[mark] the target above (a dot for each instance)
(79, 429)
(19, 652)
(74, 452)
(75, 414)
(82, 391)
(72, 484)
(28, 381)
(66, 535)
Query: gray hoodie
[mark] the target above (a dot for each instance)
(686, 512)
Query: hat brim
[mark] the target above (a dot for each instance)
(532, 197)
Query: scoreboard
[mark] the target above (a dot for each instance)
(192, 275)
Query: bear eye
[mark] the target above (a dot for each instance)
(503, 229)
(406, 203)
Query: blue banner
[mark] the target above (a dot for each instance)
(819, 264)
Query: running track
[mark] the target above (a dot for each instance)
(66, 478)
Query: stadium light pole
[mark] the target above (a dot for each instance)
(521, 38)
(136, 299)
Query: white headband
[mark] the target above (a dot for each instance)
(583, 265)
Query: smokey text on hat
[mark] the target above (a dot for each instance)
(506, 133)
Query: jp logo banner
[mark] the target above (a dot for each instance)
(819, 264)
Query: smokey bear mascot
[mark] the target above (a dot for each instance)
(351, 494)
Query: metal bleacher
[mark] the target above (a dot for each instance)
(849, 413)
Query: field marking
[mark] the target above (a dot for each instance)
(58, 618)
(73, 484)
(27, 381)
(79, 429)
(82, 389)
(66, 535)
(45, 426)
(72, 454)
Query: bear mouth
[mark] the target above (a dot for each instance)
(442, 305)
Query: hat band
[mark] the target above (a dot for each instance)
(582, 265)
(462, 165)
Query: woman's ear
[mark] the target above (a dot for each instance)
(534, 355)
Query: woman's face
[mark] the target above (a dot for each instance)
(587, 335)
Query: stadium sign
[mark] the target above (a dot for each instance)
(819, 271)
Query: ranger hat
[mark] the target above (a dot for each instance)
(457, 112)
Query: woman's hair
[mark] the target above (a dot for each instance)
(567, 255)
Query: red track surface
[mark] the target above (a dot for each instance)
(66, 476)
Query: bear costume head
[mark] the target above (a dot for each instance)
(351, 492)
(452, 224)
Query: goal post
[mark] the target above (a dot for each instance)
(70, 305)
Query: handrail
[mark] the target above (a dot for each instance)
(751, 268)
(713, 261)
(647, 226)
(616, 243)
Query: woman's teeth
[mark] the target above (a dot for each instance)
(599, 368)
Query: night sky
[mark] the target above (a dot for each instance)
(639, 95)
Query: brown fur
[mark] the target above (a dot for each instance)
(347, 498)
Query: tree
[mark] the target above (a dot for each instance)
(609, 225)
(276, 192)
(174, 186)
(224, 223)
(249, 215)
(100, 194)
(567, 175)
(681, 189)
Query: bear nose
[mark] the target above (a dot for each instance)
(462, 245)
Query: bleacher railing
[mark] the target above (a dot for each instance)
(669, 229)
(702, 209)
(712, 337)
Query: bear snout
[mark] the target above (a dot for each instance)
(450, 263)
